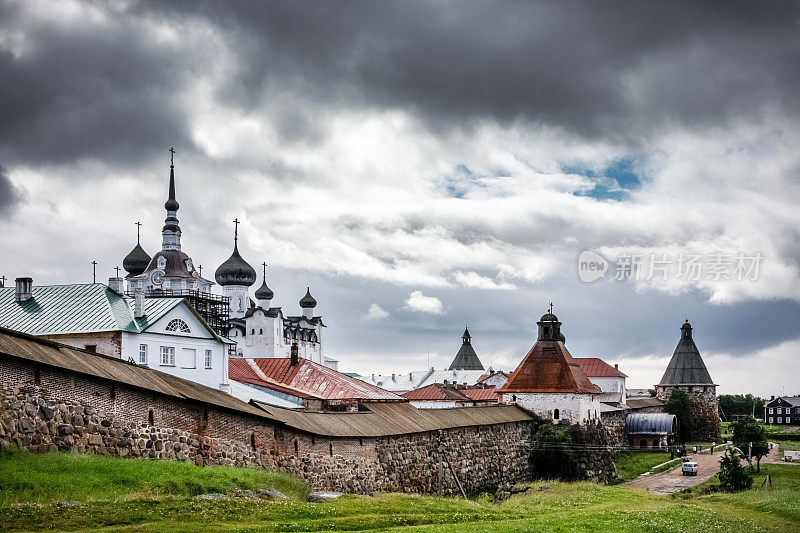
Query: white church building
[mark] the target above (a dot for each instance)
(258, 328)
(550, 382)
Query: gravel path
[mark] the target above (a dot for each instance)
(674, 480)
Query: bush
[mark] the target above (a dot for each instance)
(733, 477)
(552, 453)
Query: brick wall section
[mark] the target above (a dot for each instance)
(108, 343)
(47, 409)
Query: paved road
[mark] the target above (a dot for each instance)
(674, 480)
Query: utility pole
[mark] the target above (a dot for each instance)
(749, 452)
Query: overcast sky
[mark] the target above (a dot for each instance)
(422, 166)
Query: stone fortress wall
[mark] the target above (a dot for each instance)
(44, 408)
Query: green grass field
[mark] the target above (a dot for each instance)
(116, 497)
(631, 464)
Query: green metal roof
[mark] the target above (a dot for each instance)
(79, 308)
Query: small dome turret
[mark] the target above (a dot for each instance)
(264, 292)
(549, 317)
(308, 301)
(235, 271)
(136, 261)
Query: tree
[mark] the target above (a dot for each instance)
(748, 430)
(732, 405)
(733, 477)
(552, 455)
(680, 405)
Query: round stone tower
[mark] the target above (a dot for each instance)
(687, 371)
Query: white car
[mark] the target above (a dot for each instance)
(689, 469)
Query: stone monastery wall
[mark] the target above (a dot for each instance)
(44, 408)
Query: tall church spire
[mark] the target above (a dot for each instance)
(171, 232)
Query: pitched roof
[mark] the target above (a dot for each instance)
(594, 367)
(466, 358)
(83, 308)
(381, 419)
(305, 378)
(413, 380)
(437, 392)
(481, 394)
(22, 346)
(686, 366)
(641, 403)
(549, 368)
(392, 418)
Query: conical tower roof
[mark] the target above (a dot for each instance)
(466, 358)
(549, 367)
(686, 366)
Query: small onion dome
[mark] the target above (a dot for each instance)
(235, 271)
(136, 262)
(549, 317)
(308, 301)
(264, 292)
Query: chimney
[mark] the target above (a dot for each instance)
(23, 289)
(771, 398)
(295, 355)
(138, 303)
(393, 378)
(115, 284)
(616, 366)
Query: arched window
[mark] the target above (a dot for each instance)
(555, 414)
(177, 324)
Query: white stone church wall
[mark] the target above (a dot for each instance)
(577, 408)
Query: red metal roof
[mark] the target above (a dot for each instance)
(305, 379)
(594, 367)
(437, 391)
(549, 367)
(481, 395)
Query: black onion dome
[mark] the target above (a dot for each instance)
(264, 292)
(308, 301)
(136, 261)
(235, 271)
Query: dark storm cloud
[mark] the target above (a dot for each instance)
(616, 69)
(86, 91)
(8, 193)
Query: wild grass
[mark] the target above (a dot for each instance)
(632, 464)
(26, 477)
(547, 506)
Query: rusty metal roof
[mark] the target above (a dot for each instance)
(481, 394)
(393, 418)
(641, 403)
(437, 391)
(306, 377)
(549, 368)
(594, 367)
(38, 350)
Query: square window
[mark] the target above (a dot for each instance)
(167, 356)
(208, 358)
(143, 354)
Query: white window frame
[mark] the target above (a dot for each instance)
(770, 420)
(177, 325)
(780, 420)
(771, 411)
(167, 355)
(209, 358)
(143, 354)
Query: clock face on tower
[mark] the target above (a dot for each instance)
(157, 277)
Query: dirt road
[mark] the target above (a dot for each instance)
(674, 480)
